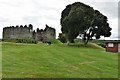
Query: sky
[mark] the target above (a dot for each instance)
(41, 12)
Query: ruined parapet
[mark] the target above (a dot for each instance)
(39, 34)
(17, 32)
(46, 34)
(50, 32)
(34, 35)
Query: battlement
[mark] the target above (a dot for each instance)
(18, 32)
(19, 26)
(44, 30)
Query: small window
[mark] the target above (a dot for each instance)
(110, 45)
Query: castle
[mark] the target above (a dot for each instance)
(27, 32)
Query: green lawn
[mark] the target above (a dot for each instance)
(57, 61)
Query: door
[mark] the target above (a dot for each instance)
(119, 47)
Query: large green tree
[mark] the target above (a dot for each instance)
(79, 18)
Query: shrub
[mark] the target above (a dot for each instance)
(21, 40)
(54, 41)
(101, 44)
(62, 38)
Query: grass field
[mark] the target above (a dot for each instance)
(57, 61)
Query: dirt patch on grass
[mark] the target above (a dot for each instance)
(86, 62)
(72, 67)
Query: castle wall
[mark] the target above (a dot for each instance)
(46, 34)
(50, 33)
(27, 32)
(17, 32)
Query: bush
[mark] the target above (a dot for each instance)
(54, 41)
(21, 40)
(9, 40)
(26, 41)
(62, 38)
(101, 44)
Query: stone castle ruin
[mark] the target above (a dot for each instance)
(27, 32)
(44, 35)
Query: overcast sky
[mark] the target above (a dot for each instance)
(41, 12)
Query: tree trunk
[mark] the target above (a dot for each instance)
(68, 43)
(85, 42)
(85, 39)
(72, 41)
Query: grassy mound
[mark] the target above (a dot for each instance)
(95, 46)
(89, 45)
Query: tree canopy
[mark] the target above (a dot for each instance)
(79, 18)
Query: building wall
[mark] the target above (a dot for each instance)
(112, 49)
(17, 32)
(119, 47)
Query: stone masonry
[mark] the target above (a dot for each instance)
(27, 32)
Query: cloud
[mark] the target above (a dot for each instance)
(110, 9)
(41, 12)
(3, 20)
